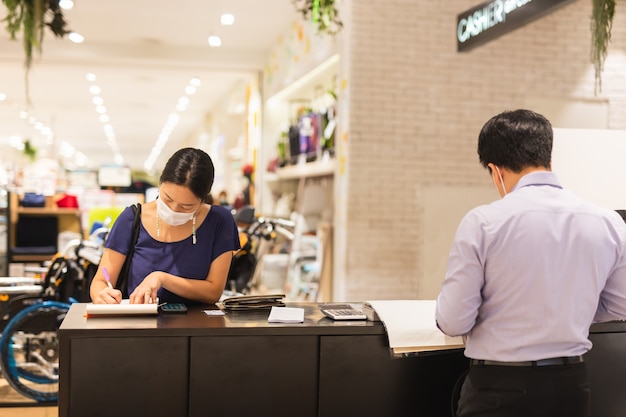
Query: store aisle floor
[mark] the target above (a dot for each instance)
(29, 411)
(8, 396)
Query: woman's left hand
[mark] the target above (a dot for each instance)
(146, 292)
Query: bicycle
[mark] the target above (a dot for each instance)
(31, 313)
(259, 235)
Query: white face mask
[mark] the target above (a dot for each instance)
(171, 217)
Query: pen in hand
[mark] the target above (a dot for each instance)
(107, 277)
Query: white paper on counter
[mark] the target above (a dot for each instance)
(286, 315)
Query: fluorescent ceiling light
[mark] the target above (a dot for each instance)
(182, 104)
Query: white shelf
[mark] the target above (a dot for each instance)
(307, 170)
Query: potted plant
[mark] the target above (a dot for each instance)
(601, 25)
(323, 14)
(31, 17)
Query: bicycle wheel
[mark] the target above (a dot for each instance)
(29, 351)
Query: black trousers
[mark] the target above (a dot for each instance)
(542, 391)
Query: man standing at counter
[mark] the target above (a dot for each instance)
(527, 275)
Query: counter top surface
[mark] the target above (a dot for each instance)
(197, 322)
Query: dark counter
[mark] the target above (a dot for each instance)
(239, 365)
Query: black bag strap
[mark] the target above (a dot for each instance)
(122, 279)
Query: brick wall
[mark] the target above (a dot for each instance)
(415, 109)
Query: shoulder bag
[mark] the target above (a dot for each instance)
(122, 279)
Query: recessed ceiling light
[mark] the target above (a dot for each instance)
(66, 4)
(16, 142)
(227, 19)
(91, 77)
(76, 37)
(215, 41)
(182, 104)
(66, 149)
(3, 96)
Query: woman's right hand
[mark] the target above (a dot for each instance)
(108, 296)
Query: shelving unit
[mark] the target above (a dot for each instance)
(68, 219)
(312, 184)
(309, 170)
(302, 180)
(305, 189)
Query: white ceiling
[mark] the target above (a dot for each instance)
(143, 53)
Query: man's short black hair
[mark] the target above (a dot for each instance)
(516, 140)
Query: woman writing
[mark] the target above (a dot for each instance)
(185, 246)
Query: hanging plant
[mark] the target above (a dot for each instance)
(29, 150)
(601, 25)
(31, 17)
(322, 13)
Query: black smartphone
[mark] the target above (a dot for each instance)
(173, 308)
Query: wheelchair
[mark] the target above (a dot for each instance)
(31, 312)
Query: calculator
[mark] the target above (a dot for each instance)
(342, 311)
(173, 308)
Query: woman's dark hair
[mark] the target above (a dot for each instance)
(516, 140)
(192, 168)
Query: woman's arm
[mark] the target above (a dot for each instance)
(206, 291)
(99, 290)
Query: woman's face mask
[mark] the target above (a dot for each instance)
(171, 217)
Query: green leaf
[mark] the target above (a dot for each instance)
(28, 17)
(601, 25)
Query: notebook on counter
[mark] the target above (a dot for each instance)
(411, 326)
(123, 309)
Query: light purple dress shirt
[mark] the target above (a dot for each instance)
(528, 274)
